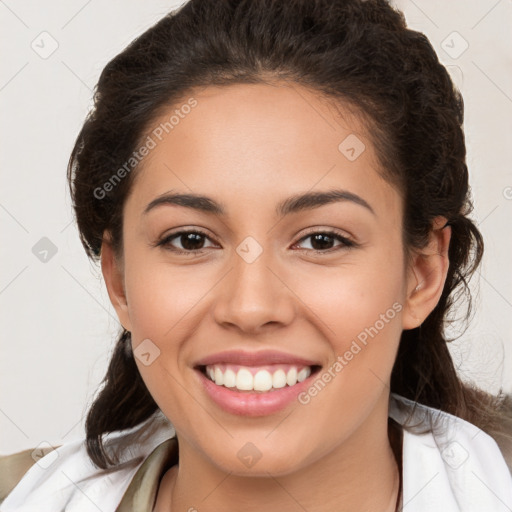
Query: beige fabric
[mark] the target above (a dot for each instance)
(15, 465)
(140, 495)
(142, 491)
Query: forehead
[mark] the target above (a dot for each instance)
(260, 142)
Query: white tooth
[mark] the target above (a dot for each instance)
(244, 380)
(291, 376)
(303, 374)
(279, 379)
(211, 373)
(262, 381)
(229, 378)
(219, 378)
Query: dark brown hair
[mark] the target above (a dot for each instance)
(357, 52)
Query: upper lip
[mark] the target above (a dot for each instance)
(260, 358)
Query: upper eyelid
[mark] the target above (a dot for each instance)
(186, 230)
(332, 231)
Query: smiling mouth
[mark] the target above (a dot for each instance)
(257, 379)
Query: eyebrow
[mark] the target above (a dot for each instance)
(293, 204)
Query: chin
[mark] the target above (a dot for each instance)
(249, 460)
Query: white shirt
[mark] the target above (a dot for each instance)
(456, 469)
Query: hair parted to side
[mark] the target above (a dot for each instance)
(357, 52)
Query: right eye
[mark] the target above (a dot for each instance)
(191, 242)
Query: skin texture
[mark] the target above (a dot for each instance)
(249, 147)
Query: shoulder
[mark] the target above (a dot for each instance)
(458, 465)
(65, 478)
(14, 466)
(419, 418)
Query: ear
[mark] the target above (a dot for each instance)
(426, 275)
(114, 281)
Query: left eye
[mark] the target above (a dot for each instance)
(323, 241)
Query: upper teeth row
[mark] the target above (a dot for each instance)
(262, 380)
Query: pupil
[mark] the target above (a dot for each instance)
(187, 241)
(324, 240)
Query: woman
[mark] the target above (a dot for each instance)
(278, 195)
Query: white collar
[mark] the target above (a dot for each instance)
(456, 469)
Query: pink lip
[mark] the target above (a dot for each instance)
(263, 357)
(246, 403)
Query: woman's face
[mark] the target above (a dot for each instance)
(255, 286)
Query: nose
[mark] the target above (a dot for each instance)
(253, 297)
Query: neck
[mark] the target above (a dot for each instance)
(361, 474)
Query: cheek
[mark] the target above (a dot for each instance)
(161, 302)
(161, 297)
(351, 298)
(362, 308)
(358, 306)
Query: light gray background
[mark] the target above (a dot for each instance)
(56, 321)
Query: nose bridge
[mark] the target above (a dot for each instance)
(252, 295)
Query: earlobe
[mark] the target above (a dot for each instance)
(113, 276)
(427, 275)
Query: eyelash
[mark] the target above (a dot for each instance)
(346, 242)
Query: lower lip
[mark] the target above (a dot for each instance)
(253, 404)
